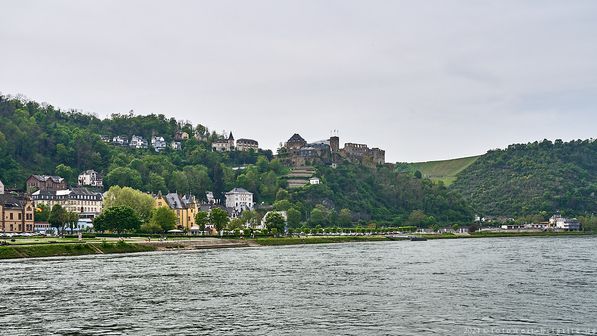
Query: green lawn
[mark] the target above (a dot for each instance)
(445, 170)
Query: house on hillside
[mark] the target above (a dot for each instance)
(224, 145)
(120, 141)
(246, 145)
(181, 136)
(176, 145)
(45, 182)
(138, 142)
(90, 178)
(158, 143)
(1, 188)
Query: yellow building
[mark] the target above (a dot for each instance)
(16, 214)
(185, 208)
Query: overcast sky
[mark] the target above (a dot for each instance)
(424, 80)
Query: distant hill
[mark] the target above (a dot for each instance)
(444, 170)
(534, 178)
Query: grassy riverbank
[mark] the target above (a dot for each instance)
(70, 249)
(316, 240)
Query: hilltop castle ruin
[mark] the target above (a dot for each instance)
(297, 152)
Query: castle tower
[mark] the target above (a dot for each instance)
(335, 143)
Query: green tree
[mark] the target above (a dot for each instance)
(275, 221)
(294, 218)
(118, 219)
(282, 205)
(67, 173)
(124, 177)
(140, 202)
(201, 219)
(250, 217)
(319, 215)
(164, 217)
(282, 194)
(57, 218)
(219, 218)
(417, 218)
(42, 212)
(156, 183)
(345, 218)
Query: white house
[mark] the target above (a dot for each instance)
(239, 200)
(569, 224)
(224, 145)
(314, 180)
(158, 143)
(138, 142)
(1, 188)
(90, 178)
(246, 145)
(120, 141)
(176, 145)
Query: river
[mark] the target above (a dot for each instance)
(494, 286)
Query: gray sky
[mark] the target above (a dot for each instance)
(424, 80)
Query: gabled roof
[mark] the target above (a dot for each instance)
(238, 190)
(174, 201)
(43, 178)
(247, 141)
(230, 137)
(296, 138)
(10, 201)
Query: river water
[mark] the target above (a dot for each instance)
(501, 286)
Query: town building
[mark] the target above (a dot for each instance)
(86, 203)
(91, 178)
(562, 223)
(239, 200)
(16, 214)
(158, 143)
(176, 145)
(120, 140)
(314, 180)
(247, 145)
(138, 142)
(224, 145)
(105, 138)
(1, 188)
(45, 182)
(181, 136)
(185, 208)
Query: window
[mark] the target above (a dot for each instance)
(10, 217)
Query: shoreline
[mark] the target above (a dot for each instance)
(22, 251)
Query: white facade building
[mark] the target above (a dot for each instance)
(158, 143)
(314, 180)
(86, 203)
(90, 178)
(569, 224)
(1, 188)
(138, 142)
(246, 145)
(239, 199)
